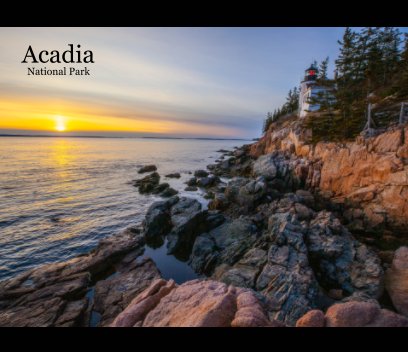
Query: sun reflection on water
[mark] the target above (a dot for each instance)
(62, 153)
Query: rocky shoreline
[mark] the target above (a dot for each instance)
(273, 251)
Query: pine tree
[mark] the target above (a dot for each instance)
(287, 106)
(295, 99)
(264, 128)
(401, 85)
(391, 56)
(378, 57)
(323, 123)
(371, 58)
(354, 65)
(323, 67)
(267, 122)
(404, 54)
(344, 62)
(274, 116)
(366, 46)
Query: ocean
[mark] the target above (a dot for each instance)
(60, 196)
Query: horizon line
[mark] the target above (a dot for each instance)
(144, 137)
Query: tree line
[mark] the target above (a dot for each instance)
(290, 106)
(372, 61)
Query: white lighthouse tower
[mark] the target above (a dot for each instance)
(308, 88)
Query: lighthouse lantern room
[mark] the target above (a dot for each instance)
(311, 73)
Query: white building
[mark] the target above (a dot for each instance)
(309, 88)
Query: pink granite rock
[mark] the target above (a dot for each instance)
(362, 314)
(312, 319)
(249, 312)
(143, 304)
(57, 294)
(353, 314)
(396, 281)
(195, 303)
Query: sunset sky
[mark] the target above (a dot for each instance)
(207, 82)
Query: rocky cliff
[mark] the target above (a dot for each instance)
(281, 244)
(366, 179)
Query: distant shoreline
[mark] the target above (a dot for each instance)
(143, 137)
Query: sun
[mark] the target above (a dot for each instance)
(60, 124)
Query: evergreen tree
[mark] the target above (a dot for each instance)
(267, 122)
(365, 53)
(369, 59)
(344, 62)
(322, 123)
(404, 54)
(401, 85)
(390, 42)
(289, 107)
(292, 101)
(323, 67)
(274, 116)
(295, 99)
(345, 65)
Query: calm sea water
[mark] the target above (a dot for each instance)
(60, 196)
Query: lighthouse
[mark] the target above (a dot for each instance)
(308, 89)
